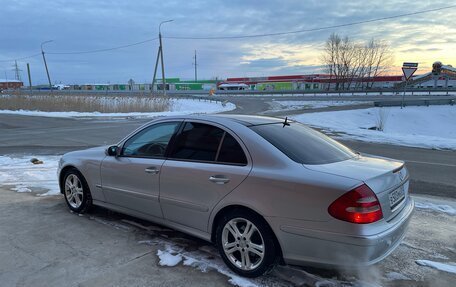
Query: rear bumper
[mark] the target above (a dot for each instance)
(303, 246)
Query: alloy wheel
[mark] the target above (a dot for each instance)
(74, 191)
(243, 244)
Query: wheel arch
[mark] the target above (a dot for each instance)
(62, 175)
(233, 207)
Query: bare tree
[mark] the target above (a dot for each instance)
(353, 64)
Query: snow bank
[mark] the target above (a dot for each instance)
(450, 267)
(23, 176)
(179, 107)
(427, 127)
(297, 105)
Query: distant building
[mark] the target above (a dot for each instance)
(10, 84)
(306, 82)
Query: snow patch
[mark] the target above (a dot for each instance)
(392, 276)
(23, 176)
(428, 127)
(445, 205)
(167, 258)
(204, 259)
(21, 189)
(297, 105)
(436, 207)
(450, 267)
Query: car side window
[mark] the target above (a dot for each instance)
(231, 151)
(197, 141)
(151, 141)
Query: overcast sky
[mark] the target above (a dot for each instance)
(87, 25)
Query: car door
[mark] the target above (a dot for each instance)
(205, 163)
(131, 179)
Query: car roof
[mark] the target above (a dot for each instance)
(246, 120)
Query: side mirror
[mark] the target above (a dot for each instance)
(112, 150)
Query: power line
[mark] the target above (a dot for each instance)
(313, 29)
(84, 52)
(102, 50)
(22, 58)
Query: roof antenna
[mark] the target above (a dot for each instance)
(286, 123)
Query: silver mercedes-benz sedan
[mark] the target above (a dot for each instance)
(263, 190)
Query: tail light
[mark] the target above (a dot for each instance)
(359, 205)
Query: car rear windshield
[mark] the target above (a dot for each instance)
(303, 144)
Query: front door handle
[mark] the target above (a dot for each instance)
(219, 179)
(152, 170)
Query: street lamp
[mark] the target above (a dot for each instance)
(161, 23)
(160, 55)
(45, 64)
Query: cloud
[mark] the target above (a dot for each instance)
(79, 25)
(265, 64)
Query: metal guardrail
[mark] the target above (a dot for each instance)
(428, 102)
(392, 91)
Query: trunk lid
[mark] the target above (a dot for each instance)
(387, 178)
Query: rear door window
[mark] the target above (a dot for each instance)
(231, 152)
(197, 141)
(207, 143)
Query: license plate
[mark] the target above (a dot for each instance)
(396, 196)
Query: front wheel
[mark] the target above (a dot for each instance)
(246, 243)
(76, 192)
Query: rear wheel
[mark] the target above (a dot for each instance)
(246, 243)
(76, 191)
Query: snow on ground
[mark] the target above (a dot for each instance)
(298, 105)
(427, 127)
(439, 208)
(341, 94)
(447, 267)
(179, 107)
(435, 204)
(392, 276)
(169, 257)
(205, 258)
(22, 176)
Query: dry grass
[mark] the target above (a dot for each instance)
(381, 119)
(85, 103)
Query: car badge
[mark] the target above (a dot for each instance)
(401, 175)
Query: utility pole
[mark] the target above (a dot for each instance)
(162, 64)
(155, 69)
(195, 64)
(6, 79)
(160, 55)
(29, 77)
(45, 64)
(17, 72)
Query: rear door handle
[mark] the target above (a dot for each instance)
(152, 170)
(219, 179)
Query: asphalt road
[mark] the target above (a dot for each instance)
(432, 171)
(43, 244)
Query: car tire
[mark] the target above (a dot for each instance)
(243, 234)
(76, 191)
